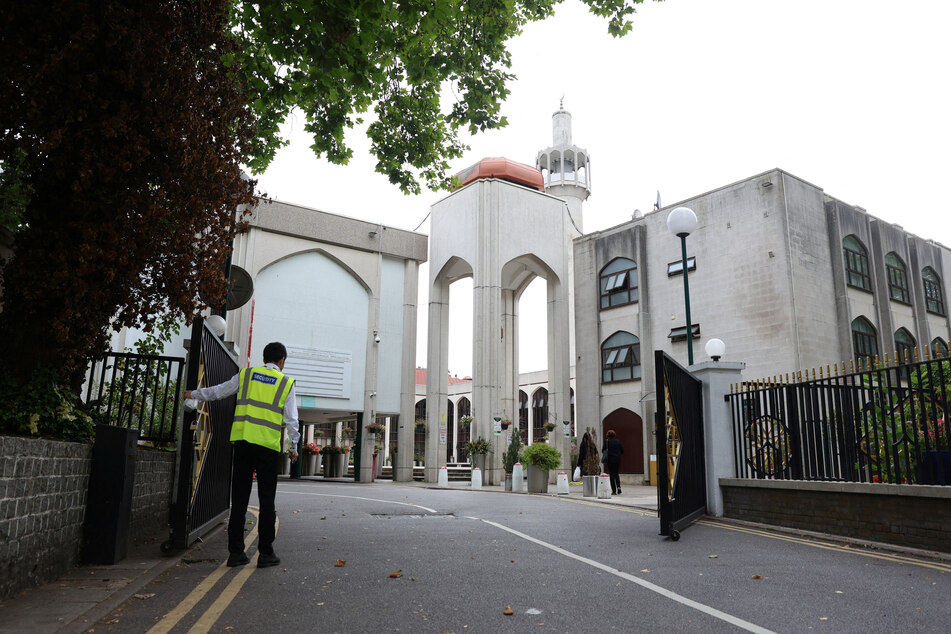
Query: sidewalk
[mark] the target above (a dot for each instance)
(77, 600)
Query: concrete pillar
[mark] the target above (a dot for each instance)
(437, 380)
(403, 432)
(717, 425)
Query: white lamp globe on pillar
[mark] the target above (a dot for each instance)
(715, 349)
(682, 222)
(217, 324)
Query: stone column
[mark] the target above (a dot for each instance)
(717, 426)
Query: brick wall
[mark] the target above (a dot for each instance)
(43, 487)
(912, 516)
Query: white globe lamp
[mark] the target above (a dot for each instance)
(715, 349)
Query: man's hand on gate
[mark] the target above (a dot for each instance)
(293, 457)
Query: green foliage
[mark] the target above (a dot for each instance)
(478, 446)
(41, 408)
(14, 192)
(335, 60)
(542, 455)
(513, 453)
(902, 424)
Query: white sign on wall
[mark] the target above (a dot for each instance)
(320, 372)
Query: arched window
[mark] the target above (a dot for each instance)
(619, 283)
(897, 279)
(934, 298)
(539, 414)
(856, 264)
(620, 358)
(939, 348)
(904, 345)
(864, 343)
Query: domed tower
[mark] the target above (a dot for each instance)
(566, 169)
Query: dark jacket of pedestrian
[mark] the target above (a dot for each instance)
(614, 450)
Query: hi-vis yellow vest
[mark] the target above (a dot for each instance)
(259, 413)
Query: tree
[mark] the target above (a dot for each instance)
(121, 138)
(334, 59)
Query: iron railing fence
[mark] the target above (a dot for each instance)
(886, 422)
(138, 391)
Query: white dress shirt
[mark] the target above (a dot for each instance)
(229, 387)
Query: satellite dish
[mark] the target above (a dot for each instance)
(240, 288)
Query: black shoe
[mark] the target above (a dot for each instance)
(619, 490)
(237, 559)
(266, 560)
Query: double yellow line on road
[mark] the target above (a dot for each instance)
(214, 612)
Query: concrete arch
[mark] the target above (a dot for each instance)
(327, 254)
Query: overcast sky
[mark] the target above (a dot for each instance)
(851, 96)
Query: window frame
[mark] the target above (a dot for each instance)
(856, 264)
(934, 296)
(862, 340)
(676, 267)
(897, 274)
(618, 286)
(907, 343)
(616, 359)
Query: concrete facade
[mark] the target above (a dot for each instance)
(770, 281)
(503, 235)
(341, 294)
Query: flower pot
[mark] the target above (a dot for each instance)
(537, 479)
(508, 481)
(341, 465)
(286, 465)
(329, 466)
(589, 486)
(310, 465)
(478, 460)
(319, 465)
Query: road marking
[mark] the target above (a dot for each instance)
(813, 542)
(213, 613)
(170, 620)
(673, 596)
(355, 497)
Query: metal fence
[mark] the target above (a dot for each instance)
(885, 423)
(138, 391)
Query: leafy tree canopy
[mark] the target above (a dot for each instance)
(335, 59)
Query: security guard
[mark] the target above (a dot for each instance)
(266, 401)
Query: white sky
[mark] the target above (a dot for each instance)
(850, 95)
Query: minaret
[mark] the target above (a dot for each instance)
(566, 168)
(567, 172)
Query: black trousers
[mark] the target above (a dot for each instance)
(248, 459)
(614, 470)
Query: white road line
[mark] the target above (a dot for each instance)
(354, 497)
(673, 596)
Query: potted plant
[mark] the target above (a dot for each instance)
(477, 450)
(505, 423)
(330, 464)
(512, 455)
(465, 422)
(550, 426)
(376, 428)
(347, 432)
(540, 458)
(310, 458)
(420, 425)
(343, 459)
(418, 459)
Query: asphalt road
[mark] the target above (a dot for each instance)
(429, 560)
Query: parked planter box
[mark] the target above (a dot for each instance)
(537, 479)
(589, 486)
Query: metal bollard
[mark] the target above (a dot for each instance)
(477, 478)
(604, 487)
(518, 478)
(562, 483)
(443, 478)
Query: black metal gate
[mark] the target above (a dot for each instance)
(203, 487)
(681, 474)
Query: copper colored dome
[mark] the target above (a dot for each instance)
(504, 169)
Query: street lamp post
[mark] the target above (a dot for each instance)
(682, 222)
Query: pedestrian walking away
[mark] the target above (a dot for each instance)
(266, 402)
(613, 449)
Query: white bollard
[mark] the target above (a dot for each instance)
(562, 483)
(443, 479)
(518, 478)
(477, 478)
(604, 487)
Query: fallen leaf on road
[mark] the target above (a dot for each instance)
(757, 577)
(340, 563)
(823, 618)
(144, 596)
(508, 611)
(645, 570)
(398, 573)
